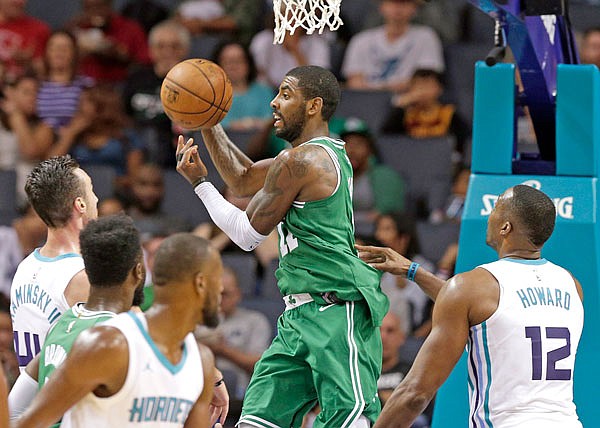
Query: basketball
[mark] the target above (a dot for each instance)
(196, 93)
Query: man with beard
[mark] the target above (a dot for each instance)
(147, 195)
(112, 256)
(328, 346)
(144, 367)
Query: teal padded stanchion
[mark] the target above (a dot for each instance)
(575, 243)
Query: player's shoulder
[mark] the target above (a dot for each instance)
(101, 339)
(470, 284)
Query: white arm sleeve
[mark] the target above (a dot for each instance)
(21, 395)
(229, 218)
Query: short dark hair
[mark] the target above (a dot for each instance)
(110, 247)
(590, 30)
(535, 211)
(252, 72)
(315, 81)
(177, 256)
(51, 188)
(428, 73)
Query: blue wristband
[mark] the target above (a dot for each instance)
(412, 271)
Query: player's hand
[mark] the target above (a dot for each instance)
(384, 259)
(219, 406)
(189, 164)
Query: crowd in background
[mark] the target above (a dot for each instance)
(89, 84)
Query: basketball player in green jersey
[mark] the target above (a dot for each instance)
(112, 255)
(328, 347)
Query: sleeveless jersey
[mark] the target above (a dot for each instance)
(156, 393)
(316, 244)
(37, 299)
(521, 359)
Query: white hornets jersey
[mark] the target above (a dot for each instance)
(156, 393)
(521, 359)
(37, 299)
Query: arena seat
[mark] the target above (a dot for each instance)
(268, 287)
(8, 196)
(103, 179)
(425, 164)
(435, 238)
(271, 308)
(244, 266)
(181, 201)
(370, 106)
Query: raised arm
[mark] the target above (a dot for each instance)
(243, 176)
(85, 369)
(388, 260)
(299, 171)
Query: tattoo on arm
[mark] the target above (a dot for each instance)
(230, 161)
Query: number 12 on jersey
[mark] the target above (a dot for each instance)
(287, 241)
(552, 357)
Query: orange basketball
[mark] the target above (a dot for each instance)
(196, 93)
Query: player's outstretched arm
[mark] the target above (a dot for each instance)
(25, 389)
(97, 362)
(243, 176)
(388, 260)
(448, 337)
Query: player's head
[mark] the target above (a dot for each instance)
(307, 93)
(524, 215)
(112, 255)
(187, 268)
(59, 191)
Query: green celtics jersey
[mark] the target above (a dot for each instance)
(61, 336)
(316, 244)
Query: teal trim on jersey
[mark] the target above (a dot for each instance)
(37, 255)
(526, 261)
(486, 350)
(173, 368)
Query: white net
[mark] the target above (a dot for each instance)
(312, 15)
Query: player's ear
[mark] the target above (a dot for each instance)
(200, 283)
(314, 106)
(506, 228)
(79, 204)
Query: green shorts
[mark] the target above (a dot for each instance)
(325, 354)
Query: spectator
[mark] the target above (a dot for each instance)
(98, 135)
(26, 233)
(590, 47)
(386, 57)
(22, 40)
(398, 232)
(393, 369)
(242, 335)
(8, 358)
(60, 89)
(378, 189)
(24, 138)
(110, 206)
(147, 194)
(419, 113)
(147, 13)
(274, 61)
(109, 43)
(229, 18)
(250, 108)
(453, 208)
(169, 44)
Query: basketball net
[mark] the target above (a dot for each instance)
(309, 14)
